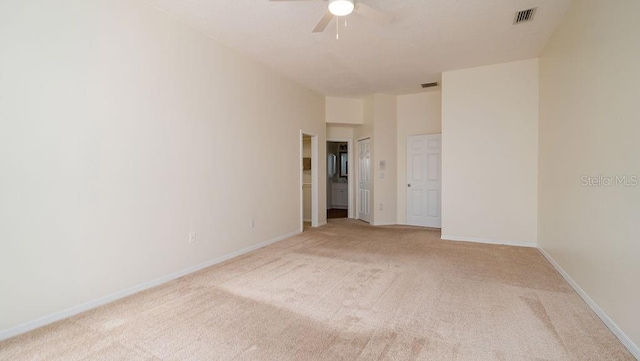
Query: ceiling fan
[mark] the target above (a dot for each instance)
(339, 8)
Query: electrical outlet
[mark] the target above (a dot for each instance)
(252, 223)
(192, 237)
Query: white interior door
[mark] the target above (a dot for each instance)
(424, 180)
(364, 180)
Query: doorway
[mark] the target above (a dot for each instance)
(364, 180)
(424, 180)
(308, 180)
(338, 194)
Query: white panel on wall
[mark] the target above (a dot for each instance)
(416, 161)
(417, 206)
(433, 172)
(434, 203)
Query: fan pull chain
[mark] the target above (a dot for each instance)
(338, 26)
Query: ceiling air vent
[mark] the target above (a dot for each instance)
(429, 85)
(524, 16)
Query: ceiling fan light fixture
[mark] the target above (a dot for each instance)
(341, 7)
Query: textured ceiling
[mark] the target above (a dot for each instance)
(425, 38)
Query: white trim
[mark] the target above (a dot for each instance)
(384, 224)
(315, 179)
(43, 321)
(351, 177)
(488, 241)
(357, 173)
(315, 176)
(626, 341)
(300, 160)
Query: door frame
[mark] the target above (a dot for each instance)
(314, 179)
(350, 178)
(357, 202)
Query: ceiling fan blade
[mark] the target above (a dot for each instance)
(373, 14)
(322, 24)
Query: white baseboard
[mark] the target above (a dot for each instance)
(489, 241)
(31, 325)
(319, 223)
(626, 341)
(43, 321)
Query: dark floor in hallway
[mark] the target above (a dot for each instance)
(336, 213)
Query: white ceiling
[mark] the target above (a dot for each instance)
(425, 38)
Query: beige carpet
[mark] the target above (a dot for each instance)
(346, 291)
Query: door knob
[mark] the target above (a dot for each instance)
(409, 185)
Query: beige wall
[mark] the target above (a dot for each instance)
(361, 132)
(418, 113)
(384, 128)
(121, 131)
(392, 118)
(343, 110)
(338, 131)
(589, 126)
(490, 153)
